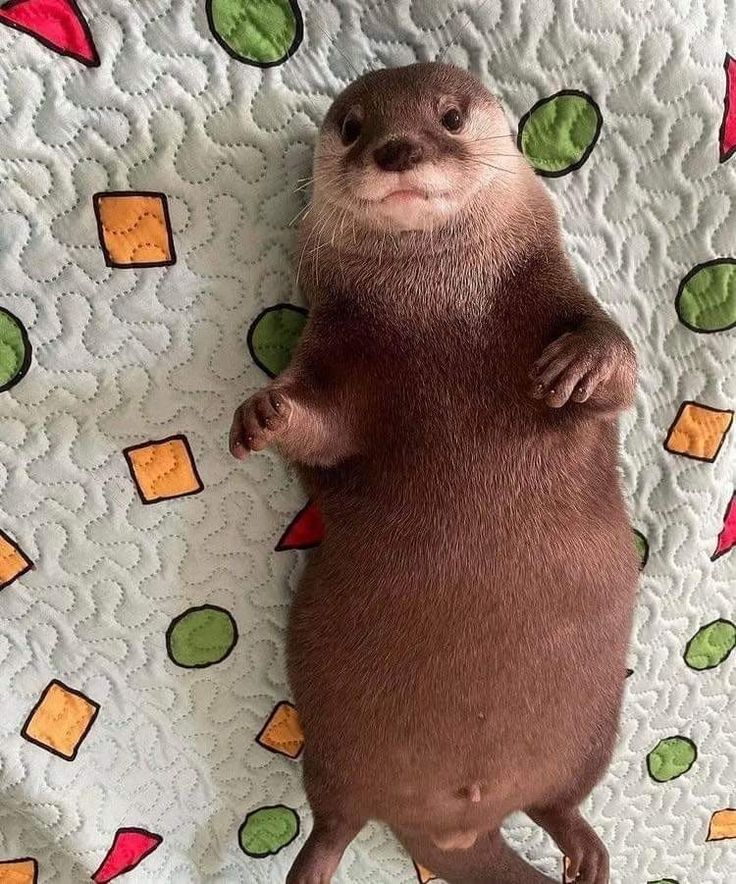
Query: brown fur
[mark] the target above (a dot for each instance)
(457, 645)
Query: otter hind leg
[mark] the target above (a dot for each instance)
(320, 856)
(337, 820)
(587, 857)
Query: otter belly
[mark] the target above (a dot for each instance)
(457, 680)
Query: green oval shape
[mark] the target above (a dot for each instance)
(642, 548)
(268, 830)
(15, 350)
(201, 637)
(663, 881)
(558, 134)
(273, 336)
(263, 33)
(711, 645)
(706, 297)
(671, 758)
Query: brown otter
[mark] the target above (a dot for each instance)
(457, 643)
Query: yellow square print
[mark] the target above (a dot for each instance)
(164, 469)
(134, 229)
(13, 561)
(698, 431)
(282, 733)
(18, 871)
(60, 720)
(722, 825)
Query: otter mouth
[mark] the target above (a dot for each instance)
(406, 204)
(406, 194)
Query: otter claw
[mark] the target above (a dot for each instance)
(258, 422)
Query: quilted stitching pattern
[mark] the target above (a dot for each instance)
(22, 871)
(60, 720)
(122, 356)
(283, 732)
(135, 230)
(13, 561)
(699, 431)
(163, 470)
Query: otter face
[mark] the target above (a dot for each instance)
(409, 147)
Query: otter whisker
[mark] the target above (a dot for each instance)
(334, 45)
(492, 156)
(301, 257)
(499, 169)
(460, 31)
(306, 186)
(302, 212)
(335, 229)
(475, 163)
(339, 253)
(317, 229)
(492, 166)
(326, 222)
(318, 247)
(490, 138)
(311, 180)
(488, 155)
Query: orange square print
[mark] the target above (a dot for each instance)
(13, 561)
(722, 825)
(134, 229)
(60, 720)
(424, 876)
(18, 871)
(282, 733)
(164, 469)
(698, 431)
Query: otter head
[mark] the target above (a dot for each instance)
(410, 148)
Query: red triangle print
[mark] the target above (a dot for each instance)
(727, 537)
(728, 126)
(129, 847)
(57, 24)
(307, 529)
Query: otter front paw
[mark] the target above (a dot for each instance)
(258, 422)
(573, 367)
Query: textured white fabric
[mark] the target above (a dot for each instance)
(124, 356)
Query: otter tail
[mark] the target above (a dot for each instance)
(489, 861)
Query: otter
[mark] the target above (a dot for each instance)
(457, 643)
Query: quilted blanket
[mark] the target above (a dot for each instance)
(153, 156)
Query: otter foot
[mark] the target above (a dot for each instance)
(315, 864)
(309, 875)
(258, 422)
(586, 858)
(320, 856)
(574, 366)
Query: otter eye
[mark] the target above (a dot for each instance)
(452, 120)
(350, 130)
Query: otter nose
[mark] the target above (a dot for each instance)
(398, 155)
